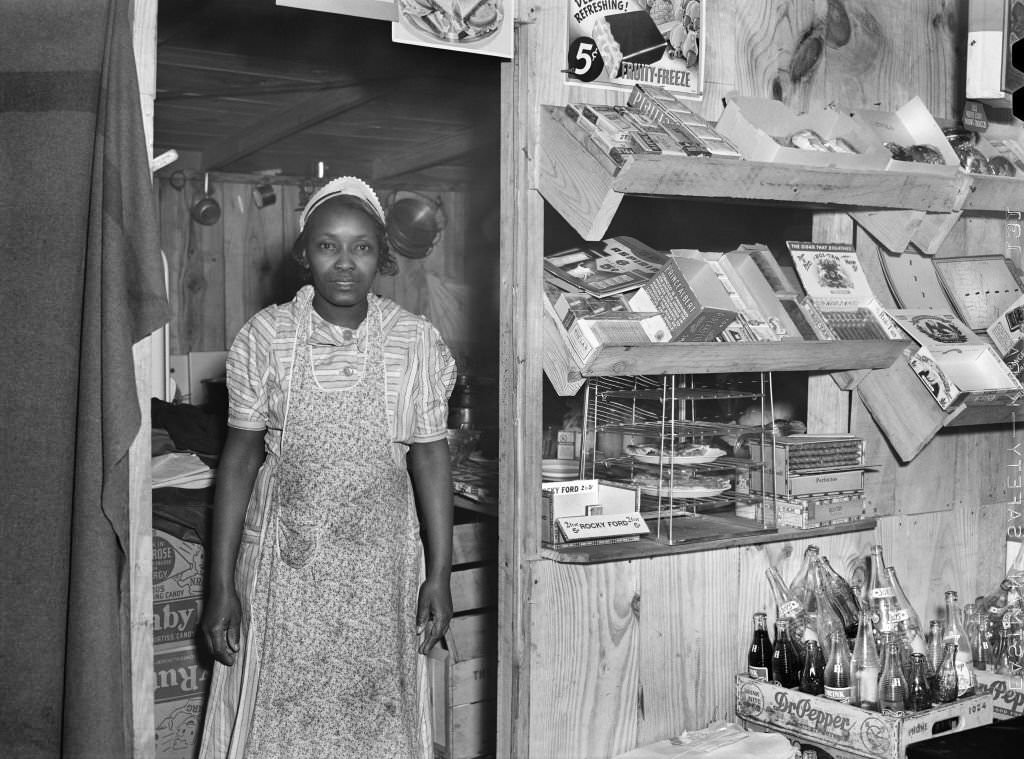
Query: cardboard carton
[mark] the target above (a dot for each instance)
(836, 284)
(761, 129)
(581, 498)
(182, 679)
(911, 124)
(954, 364)
(690, 298)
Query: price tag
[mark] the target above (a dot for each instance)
(899, 615)
(974, 117)
(584, 60)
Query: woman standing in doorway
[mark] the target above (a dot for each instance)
(318, 601)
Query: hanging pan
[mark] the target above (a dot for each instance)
(206, 210)
(414, 223)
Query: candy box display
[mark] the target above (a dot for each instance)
(849, 730)
(583, 498)
(692, 301)
(913, 138)
(767, 130)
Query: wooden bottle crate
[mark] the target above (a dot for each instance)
(848, 731)
(463, 670)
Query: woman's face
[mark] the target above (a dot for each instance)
(342, 250)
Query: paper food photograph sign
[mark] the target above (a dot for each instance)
(471, 26)
(625, 42)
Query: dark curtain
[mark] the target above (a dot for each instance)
(81, 282)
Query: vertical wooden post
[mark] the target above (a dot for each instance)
(140, 495)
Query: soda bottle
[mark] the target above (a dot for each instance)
(785, 658)
(839, 671)
(812, 676)
(829, 622)
(759, 657)
(919, 692)
(786, 604)
(978, 635)
(881, 594)
(802, 584)
(844, 595)
(1007, 593)
(944, 687)
(864, 666)
(967, 682)
(935, 648)
(892, 685)
(1004, 659)
(908, 624)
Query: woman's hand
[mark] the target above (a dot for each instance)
(433, 612)
(222, 624)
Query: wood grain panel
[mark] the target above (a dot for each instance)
(687, 641)
(845, 53)
(587, 655)
(960, 550)
(235, 220)
(174, 225)
(200, 281)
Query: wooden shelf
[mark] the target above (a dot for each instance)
(583, 186)
(647, 548)
(718, 358)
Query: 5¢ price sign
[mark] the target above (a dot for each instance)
(584, 60)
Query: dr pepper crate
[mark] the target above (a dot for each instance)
(848, 731)
(1006, 691)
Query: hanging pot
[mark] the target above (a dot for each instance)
(206, 210)
(414, 223)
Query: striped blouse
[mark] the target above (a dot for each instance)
(419, 368)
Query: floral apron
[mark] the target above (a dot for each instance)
(335, 600)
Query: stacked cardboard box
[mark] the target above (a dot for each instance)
(181, 663)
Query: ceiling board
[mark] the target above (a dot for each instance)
(246, 85)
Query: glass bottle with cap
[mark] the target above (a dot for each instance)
(759, 656)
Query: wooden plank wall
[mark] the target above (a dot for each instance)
(638, 651)
(607, 657)
(223, 273)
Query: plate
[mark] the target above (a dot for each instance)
(573, 464)
(711, 455)
(442, 21)
(691, 491)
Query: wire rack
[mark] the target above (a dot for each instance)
(674, 440)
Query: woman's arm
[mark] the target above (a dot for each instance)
(236, 473)
(431, 473)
